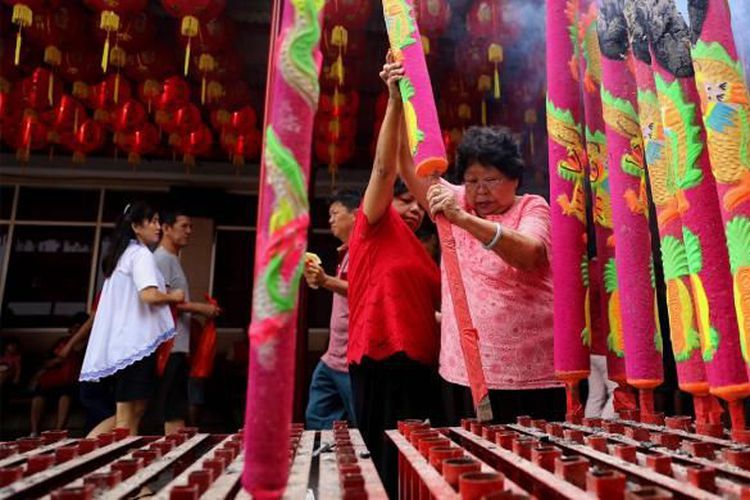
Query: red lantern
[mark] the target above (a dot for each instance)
(241, 147)
(88, 138)
(175, 93)
(136, 32)
(31, 135)
(433, 16)
(191, 13)
(67, 115)
(110, 20)
(40, 90)
(154, 62)
(332, 129)
(243, 120)
(221, 121)
(129, 115)
(195, 143)
(339, 103)
(333, 154)
(213, 36)
(140, 141)
(149, 92)
(107, 95)
(185, 119)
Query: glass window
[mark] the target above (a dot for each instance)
(235, 251)
(48, 276)
(6, 201)
(319, 301)
(115, 201)
(58, 204)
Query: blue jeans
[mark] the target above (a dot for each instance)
(330, 398)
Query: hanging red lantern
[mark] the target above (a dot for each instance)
(128, 116)
(149, 92)
(175, 93)
(236, 94)
(40, 91)
(246, 146)
(106, 96)
(88, 138)
(334, 129)
(31, 135)
(154, 62)
(197, 142)
(339, 103)
(221, 121)
(333, 154)
(139, 142)
(137, 31)
(185, 119)
(68, 114)
(243, 120)
(213, 36)
(191, 13)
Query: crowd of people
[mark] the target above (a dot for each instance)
(133, 349)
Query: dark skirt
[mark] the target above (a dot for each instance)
(137, 381)
(385, 392)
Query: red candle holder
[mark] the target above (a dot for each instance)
(65, 453)
(225, 455)
(147, 456)
(545, 456)
(522, 446)
(417, 436)
(85, 492)
(739, 457)
(38, 463)
(202, 479)
(104, 480)
(176, 438)
(10, 475)
(505, 439)
(476, 485)
(189, 492)
(454, 467)
(555, 429)
(539, 423)
(438, 455)
(598, 443)
(352, 480)
(476, 428)
(87, 446)
(613, 427)
(605, 483)
(188, 431)
(49, 437)
(105, 438)
(638, 433)
(349, 469)
(666, 439)
(28, 444)
(699, 449)
(426, 444)
(354, 494)
(466, 423)
(680, 423)
(8, 449)
(121, 433)
(524, 421)
(573, 435)
(489, 431)
(592, 422)
(659, 463)
(214, 465)
(702, 477)
(127, 466)
(164, 447)
(573, 469)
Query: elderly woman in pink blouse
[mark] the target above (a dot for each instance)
(503, 246)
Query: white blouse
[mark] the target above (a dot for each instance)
(126, 329)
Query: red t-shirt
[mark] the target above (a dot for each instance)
(394, 291)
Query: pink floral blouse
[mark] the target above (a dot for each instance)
(511, 309)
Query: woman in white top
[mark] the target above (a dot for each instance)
(133, 316)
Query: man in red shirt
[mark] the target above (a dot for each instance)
(394, 291)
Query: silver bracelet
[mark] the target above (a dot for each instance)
(498, 236)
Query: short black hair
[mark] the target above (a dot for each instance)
(399, 187)
(169, 214)
(492, 147)
(349, 198)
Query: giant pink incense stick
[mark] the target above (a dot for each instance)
(428, 150)
(697, 202)
(589, 58)
(283, 219)
(566, 168)
(726, 115)
(627, 182)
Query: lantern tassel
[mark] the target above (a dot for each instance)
(531, 141)
(17, 56)
(117, 87)
(75, 121)
(105, 54)
(484, 113)
(50, 86)
(79, 157)
(187, 56)
(497, 83)
(203, 89)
